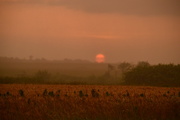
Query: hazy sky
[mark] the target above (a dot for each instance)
(122, 30)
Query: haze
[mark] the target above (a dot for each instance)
(130, 30)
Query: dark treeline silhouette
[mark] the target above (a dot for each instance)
(153, 75)
(31, 59)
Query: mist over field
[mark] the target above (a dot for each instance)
(82, 72)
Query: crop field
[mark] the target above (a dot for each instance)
(90, 102)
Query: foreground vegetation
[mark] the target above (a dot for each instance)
(91, 102)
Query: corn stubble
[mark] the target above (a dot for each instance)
(94, 102)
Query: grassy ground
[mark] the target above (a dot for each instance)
(91, 102)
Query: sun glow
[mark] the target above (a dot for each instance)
(100, 58)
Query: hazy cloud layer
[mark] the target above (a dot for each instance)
(129, 7)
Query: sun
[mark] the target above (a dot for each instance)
(100, 58)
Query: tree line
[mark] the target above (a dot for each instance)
(116, 74)
(153, 75)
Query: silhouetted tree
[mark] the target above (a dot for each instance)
(158, 75)
(124, 67)
(110, 67)
(143, 64)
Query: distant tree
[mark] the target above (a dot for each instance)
(124, 67)
(143, 64)
(110, 67)
(112, 71)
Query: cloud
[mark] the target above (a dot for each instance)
(127, 7)
(135, 7)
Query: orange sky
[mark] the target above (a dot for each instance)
(129, 31)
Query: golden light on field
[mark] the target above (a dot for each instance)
(100, 58)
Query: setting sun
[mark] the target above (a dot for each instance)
(100, 58)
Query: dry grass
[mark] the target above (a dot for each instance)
(45, 102)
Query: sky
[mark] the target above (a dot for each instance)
(121, 30)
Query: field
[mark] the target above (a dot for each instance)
(90, 102)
